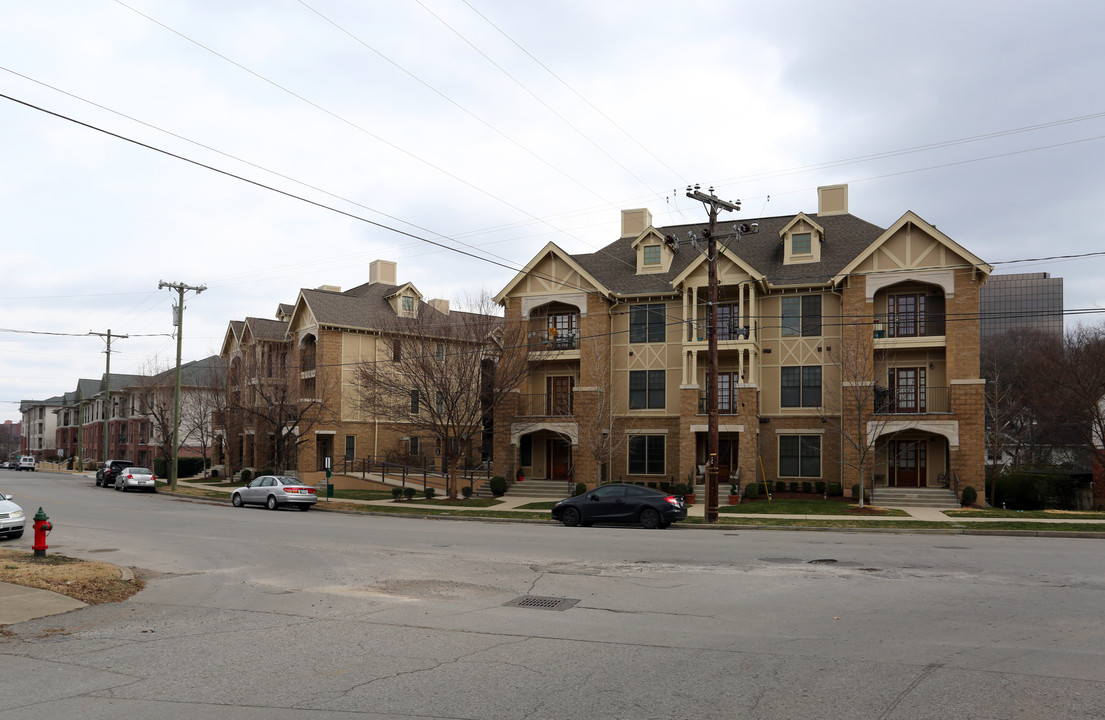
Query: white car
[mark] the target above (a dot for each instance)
(139, 478)
(27, 462)
(11, 517)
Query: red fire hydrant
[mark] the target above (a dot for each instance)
(42, 529)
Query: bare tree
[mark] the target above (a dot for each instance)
(157, 390)
(447, 375)
(274, 399)
(596, 409)
(855, 407)
(1071, 375)
(204, 400)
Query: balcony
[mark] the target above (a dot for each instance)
(545, 405)
(912, 400)
(725, 406)
(547, 344)
(909, 325)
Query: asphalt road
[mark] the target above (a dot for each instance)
(256, 614)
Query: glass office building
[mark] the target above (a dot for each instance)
(1023, 301)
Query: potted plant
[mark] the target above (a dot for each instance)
(734, 494)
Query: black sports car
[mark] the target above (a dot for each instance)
(618, 503)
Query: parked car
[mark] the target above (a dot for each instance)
(11, 517)
(27, 462)
(621, 503)
(139, 478)
(5, 465)
(105, 476)
(272, 491)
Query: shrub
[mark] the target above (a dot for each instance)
(580, 488)
(733, 489)
(836, 489)
(752, 491)
(679, 489)
(970, 495)
(819, 486)
(408, 492)
(665, 486)
(396, 493)
(266, 471)
(794, 486)
(855, 492)
(246, 475)
(780, 486)
(498, 485)
(466, 491)
(652, 484)
(429, 493)
(1033, 491)
(807, 486)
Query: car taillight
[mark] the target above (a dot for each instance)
(129, 476)
(291, 490)
(309, 491)
(673, 500)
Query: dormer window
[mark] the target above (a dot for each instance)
(650, 255)
(407, 303)
(800, 244)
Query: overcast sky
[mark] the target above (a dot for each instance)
(496, 126)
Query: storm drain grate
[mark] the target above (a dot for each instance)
(542, 603)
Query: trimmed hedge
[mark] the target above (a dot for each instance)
(752, 491)
(185, 466)
(580, 488)
(970, 495)
(1033, 491)
(497, 485)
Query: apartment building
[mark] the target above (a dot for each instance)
(38, 426)
(300, 389)
(139, 414)
(843, 346)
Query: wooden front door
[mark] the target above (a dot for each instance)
(909, 390)
(558, 397)
(558, 455)
(908, 463)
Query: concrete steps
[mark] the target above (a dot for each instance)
(914, 497)
(541, 488)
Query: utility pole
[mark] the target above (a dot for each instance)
(178, 320)
(713, 205)
(107, 383)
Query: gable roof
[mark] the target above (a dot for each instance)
(615, 266)
(573, 261)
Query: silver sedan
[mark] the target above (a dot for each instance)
(272, 491)
(139, 478)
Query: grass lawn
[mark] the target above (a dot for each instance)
(1026, 514)
(807, 507)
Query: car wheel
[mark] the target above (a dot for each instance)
(650, 519)
(304, 508)
(236, 500)
(570, 517)
(271, 503)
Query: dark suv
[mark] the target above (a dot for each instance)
(105, 476)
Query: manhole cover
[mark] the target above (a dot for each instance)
(542, 603)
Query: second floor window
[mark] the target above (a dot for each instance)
(800, 386)
(650, 255)
(407, 304)
(646, 323)
(801, 316)
(646, 389)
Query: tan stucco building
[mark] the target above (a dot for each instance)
(834, 334)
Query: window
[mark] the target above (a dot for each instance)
(727, 392)
(439, 352)
(646, 455)
(802, 315)
(799, 456)
(800, 386)
(396, 350)
(525, 450)
(646, 389)
(307, 387)
(650, 255)
(800, 244)
(412, 446)
(439, 403)
(646, 323)
(407, 303)
(414, 402)
(350, 447)
(728, 322)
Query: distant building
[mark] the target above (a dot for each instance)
(39, 425)
(1022, 301)
(10, 435)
